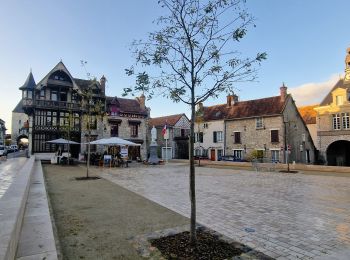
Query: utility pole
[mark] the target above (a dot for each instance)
(286, 151)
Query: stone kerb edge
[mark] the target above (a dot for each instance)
(19, 190)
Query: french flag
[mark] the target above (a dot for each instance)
(164, 129)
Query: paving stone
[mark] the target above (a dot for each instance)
(286, 210)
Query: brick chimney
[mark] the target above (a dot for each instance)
(103, 84)
(229, 100)
(234, 99)
(283, 93)
(142, 101)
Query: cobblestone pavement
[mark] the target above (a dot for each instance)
(286, 216)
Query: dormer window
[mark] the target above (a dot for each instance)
(339, 100)
(53, 95)
(42, 94)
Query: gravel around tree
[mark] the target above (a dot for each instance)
(96, 218)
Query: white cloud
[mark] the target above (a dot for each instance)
(312, 93)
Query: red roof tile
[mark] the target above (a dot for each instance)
(126, 105)
(245, 109)
(160, 121)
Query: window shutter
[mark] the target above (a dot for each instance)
(214, 137)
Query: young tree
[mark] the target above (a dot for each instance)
(94, 107)
(195, 55)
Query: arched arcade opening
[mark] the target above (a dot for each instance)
(22, 141)
(338, 153)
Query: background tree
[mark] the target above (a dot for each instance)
(196, 57)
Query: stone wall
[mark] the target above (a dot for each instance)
(18, 120)
(252, 138)
(294, 130)
(103, 130)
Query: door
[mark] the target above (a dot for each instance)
(212, 154)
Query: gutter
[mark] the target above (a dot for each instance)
(224, 153)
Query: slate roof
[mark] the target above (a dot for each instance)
(308, 114)
(170, 120)
(126, 105)
(19, 107)
(29, 83)
(245, 109)
(329, 99)
(84, 84)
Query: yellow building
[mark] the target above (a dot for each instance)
(333, 122)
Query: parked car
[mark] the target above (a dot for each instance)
(8, 149)
(14, 147)
(231, 158)
(3, 150)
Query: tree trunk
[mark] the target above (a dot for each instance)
(192, 180)
(88, 155)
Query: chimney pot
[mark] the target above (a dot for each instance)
(283, 92)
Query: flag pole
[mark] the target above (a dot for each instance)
(166, 149)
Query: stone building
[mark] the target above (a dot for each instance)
(309, 114)
(127, 119)
(2, 132)
(269, 128)
(178, 132)
(209, 132)
(333, 122)
(60, 106)
(20, 124)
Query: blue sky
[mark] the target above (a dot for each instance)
(305, 42)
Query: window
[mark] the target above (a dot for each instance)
(53, 95)
(64, 119)
(63, 96)
(237, 154)
(345, 120)
(275, 155)
(274, 136)
(76, 120)
(198, 137)
(339, 100)
(219, 154)
(42, 94)
(91, 122)
(183, 132)
(237, 137)
(259, 123)
(205, 125)
(134, 130)
(336, 122)
(30, 94)
(114, 130)
(217, 136)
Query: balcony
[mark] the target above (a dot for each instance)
(59, 83)
(56, 128)
(50, 104)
